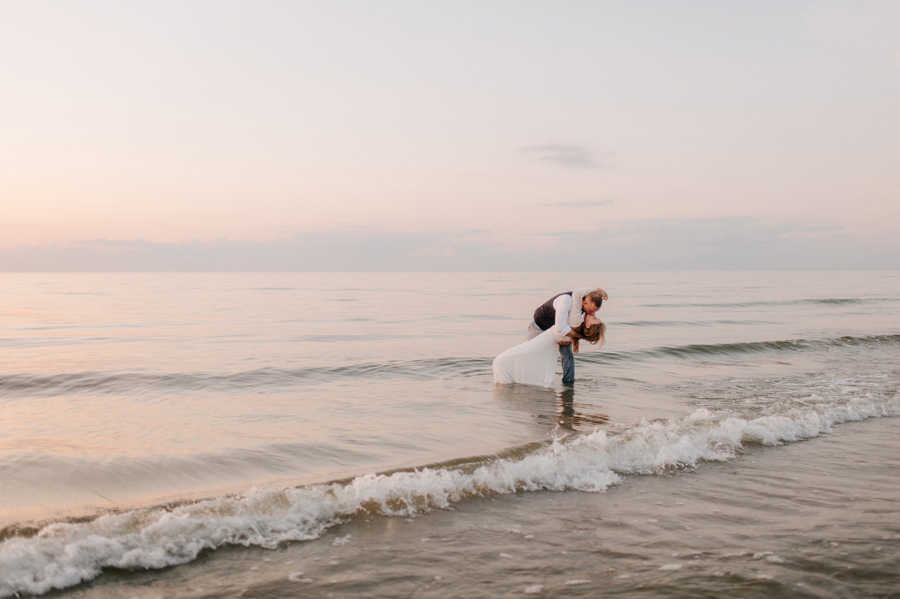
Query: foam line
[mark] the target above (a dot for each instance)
(64, 554)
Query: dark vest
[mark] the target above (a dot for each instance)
(545, 315)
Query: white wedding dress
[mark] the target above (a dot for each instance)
(530, 363)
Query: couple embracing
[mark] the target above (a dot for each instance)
(558, 325)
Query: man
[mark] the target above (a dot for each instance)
(566, 310)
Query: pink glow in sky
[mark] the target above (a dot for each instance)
(449, 134)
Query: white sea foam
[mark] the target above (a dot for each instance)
(64, 554)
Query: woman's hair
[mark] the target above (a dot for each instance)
(595, 333)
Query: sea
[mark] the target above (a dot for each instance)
(225, 435)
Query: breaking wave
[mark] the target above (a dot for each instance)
(62, 554)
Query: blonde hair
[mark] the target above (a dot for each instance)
(593, 334)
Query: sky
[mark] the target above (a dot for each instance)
(449, 135)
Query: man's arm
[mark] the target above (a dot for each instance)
(562, 305)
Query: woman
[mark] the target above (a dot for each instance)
(534, 362)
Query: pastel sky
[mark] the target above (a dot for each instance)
(449, 135)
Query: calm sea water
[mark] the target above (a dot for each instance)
(340, 434)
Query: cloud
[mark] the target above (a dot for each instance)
(321, 250)
(642, 244)
(739, 243)
(586, 204)
(567, 155)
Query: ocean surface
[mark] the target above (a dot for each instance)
(341, 435)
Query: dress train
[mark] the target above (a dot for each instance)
(530, 363)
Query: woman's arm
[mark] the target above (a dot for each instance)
(575, 337)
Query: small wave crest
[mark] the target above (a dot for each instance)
(138, 383)
(63, 554)
(751, 347)
(838, 301)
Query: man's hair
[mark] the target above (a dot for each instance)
(595, 297)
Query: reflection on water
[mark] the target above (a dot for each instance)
(557, 406)
(575, 420)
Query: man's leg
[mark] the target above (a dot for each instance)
(568, 363)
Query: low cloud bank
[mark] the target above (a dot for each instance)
(707, 244)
